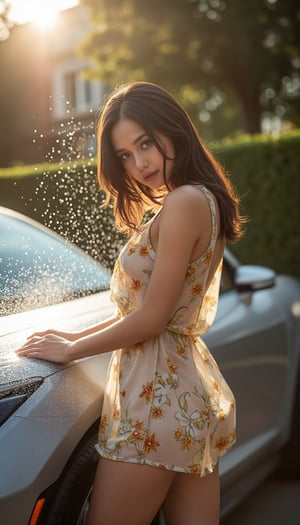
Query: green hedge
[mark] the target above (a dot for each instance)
(265, 171)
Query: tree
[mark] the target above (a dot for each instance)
(5, 22)
(214, 54)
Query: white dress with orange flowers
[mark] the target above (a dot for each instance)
(166, 403)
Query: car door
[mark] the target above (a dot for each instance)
(249, 341)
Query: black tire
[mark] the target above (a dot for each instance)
(70, 501)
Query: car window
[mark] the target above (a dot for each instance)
(38, 268)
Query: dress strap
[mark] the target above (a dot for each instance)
(212, 205)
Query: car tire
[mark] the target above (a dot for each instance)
(71, 499)
(290, 461)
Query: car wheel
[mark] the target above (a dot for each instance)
(290, 464)
(71, 500)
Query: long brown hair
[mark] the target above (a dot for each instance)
(156, 111)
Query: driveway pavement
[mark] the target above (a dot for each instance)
(276, 502)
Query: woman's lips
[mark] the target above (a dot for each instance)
(150, 176)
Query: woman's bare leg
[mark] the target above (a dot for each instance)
(192, 500)
(127, 493)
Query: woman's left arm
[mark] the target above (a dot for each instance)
(182, 221)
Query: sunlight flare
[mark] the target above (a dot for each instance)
(42, 14)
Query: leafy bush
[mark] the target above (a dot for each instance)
(266, 172)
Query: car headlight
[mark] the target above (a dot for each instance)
(14, 394)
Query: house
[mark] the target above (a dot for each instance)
(48, 108)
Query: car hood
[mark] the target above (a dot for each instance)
(70, 316)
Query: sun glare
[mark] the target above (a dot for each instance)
(45, 16)
(41, 13)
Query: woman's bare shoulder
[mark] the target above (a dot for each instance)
(189, 198)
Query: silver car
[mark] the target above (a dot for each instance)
(49, 414)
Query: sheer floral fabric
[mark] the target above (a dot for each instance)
(166, 402)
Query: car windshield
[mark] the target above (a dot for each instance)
(38, 268)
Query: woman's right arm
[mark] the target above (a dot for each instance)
(73, 336)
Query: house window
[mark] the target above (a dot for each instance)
(87, 92)
(70, 89)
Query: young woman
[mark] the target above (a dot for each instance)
(168, 414)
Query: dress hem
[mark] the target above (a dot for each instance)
(174, 468)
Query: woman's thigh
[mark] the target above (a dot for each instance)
(127, 493)
(193, 500)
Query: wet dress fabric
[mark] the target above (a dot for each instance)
(166, 403)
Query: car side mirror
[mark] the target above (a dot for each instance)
(250, 278)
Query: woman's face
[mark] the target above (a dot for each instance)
(140, 157)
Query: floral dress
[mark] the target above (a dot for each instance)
(166, 403)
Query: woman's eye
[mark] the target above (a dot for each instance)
(146, 144)
(123, 156)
